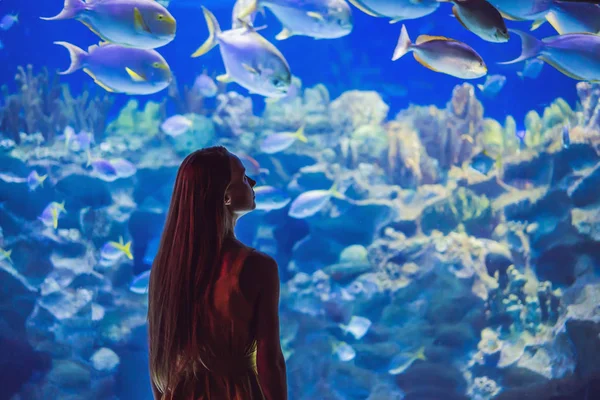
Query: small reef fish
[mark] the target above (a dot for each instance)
(442, 54)
(8, 21)
(5, 255)
(114, 250)
(343, 351)
(566, 137)
(205, 86)
(320, 19)
(576, 55)
(121, 69)
(402, 361)
(481, 18)
(35, 180)
(250, 60)
(532, 69)
(124, 168)
(139, 285)
(269, 198)
(102, 168)
(396, 10)
(176, 125)
(357, 327)
(252, 166)
(51, 214)
(572, 18)
(276, 142)
(143, 24)
(521, 10)
(493, 85)
(312, 201)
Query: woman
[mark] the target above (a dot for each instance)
(213, 302)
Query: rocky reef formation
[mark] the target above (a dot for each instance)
(477, 272)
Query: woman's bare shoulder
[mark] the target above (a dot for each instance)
(257, 258)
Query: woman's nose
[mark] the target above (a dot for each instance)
(252, 182)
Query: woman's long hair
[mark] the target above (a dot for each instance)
(186, 262)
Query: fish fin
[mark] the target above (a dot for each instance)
(250, 69)
(359, 4)
(315, 15)
(404, 44)
(553, 20)
(213, 30)
(428, 38)
(90, 73)
(105, 87)
(54, 213)
(284, 34)
(77, 56)
(127, 250)
(41, 179)
(537, 23)
(510, 17)
(135, 76)
(225, 78)
(561, 69)
(396, 20)
(420, 354)
(138, 21)
(480, 87)
(300, 135)
(423, 62)
(71, 9)
(94, 30)
(530, 47)
(457, 16)
(251, 8)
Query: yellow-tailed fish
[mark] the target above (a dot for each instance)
(121, 69)
(250, 60)
(51, 214)
(113, 250)
(312, 201)
(481, 18)
(402, 361)
(143, 24)
(276, 142)
(5, 255)
(34, 180)
(442, 54)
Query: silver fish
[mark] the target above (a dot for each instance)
(309, 203)
(143, 24)
(276, 142)
(34, 180)
(572, 18)
(442, 54)
(397, 10)
(576, 55)
(521, 10)
(320, 19)
(121, 69)
(493, 84)
(238, 20)
(270, 198)
(139, 285)
(176, 125)
(532, 69)
(481, 18)
(250, 60)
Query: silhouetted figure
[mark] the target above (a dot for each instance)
(213, 307)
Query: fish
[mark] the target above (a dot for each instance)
(205, 86)
(5, 255)
(572, 18)
(250, 60)
(576, 55)
(481, 18)
(532, 69)
(343, 351)
(124, 168)
(493, 85)
(114, 250)
(237, 20)
(441, 54)
(520, 135)
(269, 198)
(35, 180)
(176, 125)
(139, 285)
(252, 166)
(396, 10)
(358, 326)
(522, 10)
(320, 19)
(51, 214)
(402, 361)
(102, 168)
(566, 137)
(141, 24)
(119, 69)
(276, 142)
(309, 203)
(8, 21)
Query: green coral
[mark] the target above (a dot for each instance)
(557, 114)
(370, 141)
(132, 121)
(497, 139)
(201, 134)
(463, 207)
(534, 129)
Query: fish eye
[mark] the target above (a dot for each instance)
(160, 17)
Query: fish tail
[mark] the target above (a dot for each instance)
(71, 9)
(41, 179)
(77, 57)
(420, 354)
(213, 30)
(250, 9)
(300, 135)
(404, 44)
(530, 47)
(127, 250)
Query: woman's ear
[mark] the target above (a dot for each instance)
(227, 199)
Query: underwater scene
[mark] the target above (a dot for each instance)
(435, 216)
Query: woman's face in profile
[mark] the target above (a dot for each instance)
(240, 195)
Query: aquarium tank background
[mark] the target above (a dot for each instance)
(455, 248)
